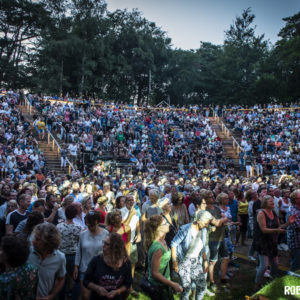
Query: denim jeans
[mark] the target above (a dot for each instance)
(264, 261)
(251, 249)
(295, 259)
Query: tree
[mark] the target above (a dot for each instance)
(287, 56)
(243, 53)
(21, 21)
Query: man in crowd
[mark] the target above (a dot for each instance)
(18, 215)
(216, 241)
(51, 263)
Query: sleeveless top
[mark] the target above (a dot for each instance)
(124, 234)
(164, 262)
(266, 243)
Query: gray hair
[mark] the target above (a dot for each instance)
(68, 200)
(204, 215)
(154, 192)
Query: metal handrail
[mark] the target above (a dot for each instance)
(54, 141)
(235, 143)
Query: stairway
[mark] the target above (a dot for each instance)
(47, 147)
(229, 150)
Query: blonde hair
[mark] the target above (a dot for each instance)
(264, 201)
(294, 195)
(150, 231)
(221, 197)
(113, 217)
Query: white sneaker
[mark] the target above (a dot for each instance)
(209, 293)
(267, 274)
(252, 257)
(284, 247)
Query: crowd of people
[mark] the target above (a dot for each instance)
(269, 138)
(84, 236)
(148, 137)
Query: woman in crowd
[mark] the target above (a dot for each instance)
(152, 209)
(179, 211)
(20, 279)
(266, 233)
(189, 257)
(108, 275)
(120, 202)
(114, 224)
(70, 233)
(90, 244)
(158, 258)
(101, 208)
(110, 195)
(251, 197)
(284, 205)
(166, 207)
(34, 218)
(61, 211)
(86, 204)
(242, 217)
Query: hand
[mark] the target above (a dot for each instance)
(177, 287)
(213, 228)
(112, 294)
(224, 220)
(205, 266)
(75, 273)
(292, 219)
(101, 291)
(280, 230)
(137, 239)
(175, 266)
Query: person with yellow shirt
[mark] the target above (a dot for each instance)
(41, 125)
(242, 217)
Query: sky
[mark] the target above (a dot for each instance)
(187, 22)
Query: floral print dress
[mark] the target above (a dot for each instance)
(19, 283)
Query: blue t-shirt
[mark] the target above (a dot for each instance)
(234, 209)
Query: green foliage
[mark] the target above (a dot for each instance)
(80, 48)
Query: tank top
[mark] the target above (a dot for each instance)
(124, 235)
(285, 206)
(266, 243)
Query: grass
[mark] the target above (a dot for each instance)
(240, 285)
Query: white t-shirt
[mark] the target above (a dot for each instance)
(133, 222)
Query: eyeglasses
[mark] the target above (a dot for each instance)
(91, 213)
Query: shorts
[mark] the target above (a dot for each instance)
(133, 254)
(216, 249)
(81, 275)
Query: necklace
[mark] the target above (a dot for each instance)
(270, 214)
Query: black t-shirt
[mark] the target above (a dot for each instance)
(48, 213)
(256, 207)
(15, 218)
(98, 272)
